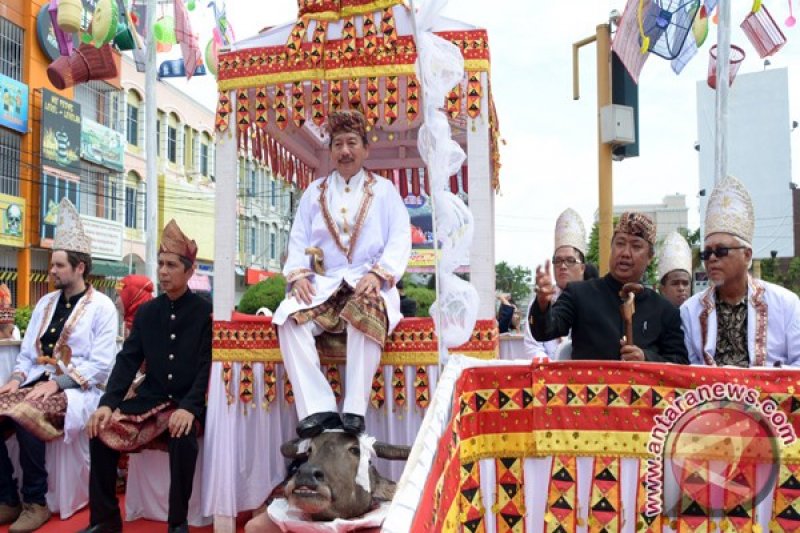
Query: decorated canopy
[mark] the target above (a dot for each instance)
(346, 54)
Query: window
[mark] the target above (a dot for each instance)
(158, 137)
(100, 102)
(110, 199)
(131, 208)
(204, 159)
(172, 144)
(92, 187)
(132, 122)
(252, 181)
(273, 246)
(11, 39)
(9, 162)
(273, 192)
(252, 240)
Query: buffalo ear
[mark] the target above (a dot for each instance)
(382, 488)
(392, 452)
(291, 449)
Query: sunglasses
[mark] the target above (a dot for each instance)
(720, 251)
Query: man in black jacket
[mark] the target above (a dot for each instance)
(172, 336)
(592, 308)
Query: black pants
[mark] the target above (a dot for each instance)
(103, 504)
(32, 461)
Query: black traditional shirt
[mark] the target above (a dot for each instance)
(174, 339)
(732, 334)
(591, 309)
(63, 310)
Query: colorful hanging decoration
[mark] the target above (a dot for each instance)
(294, 43)
(373, 103)
(334, 95)
(422, 393)
(242, 116)
(763, 32)
(335, 380)
(510, 507)
(262, 107)
(474, 94)
(348, 42)
(390, 102)
(561, 512)
(318, 42)
(281, 111)
(453, 104)
(470, 502)
(377, 396)
(288, 393)
(370, 36)
(412, 98)
(388, 29)
(645, 523)
(270, 384)
(740, 501)
(317, 105)
(399, 387)
(694, 497)
(298, 104)
(354, 94)
(246, 385)
(227, 379)
(605, 499)
(223, 111)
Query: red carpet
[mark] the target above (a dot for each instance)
(80, 520)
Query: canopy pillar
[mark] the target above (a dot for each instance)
(226, 170)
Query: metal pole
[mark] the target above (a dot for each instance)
(723, 74)
(150, 110)
(604, 172)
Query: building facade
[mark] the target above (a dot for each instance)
(670, 215)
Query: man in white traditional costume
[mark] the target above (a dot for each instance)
(738, 320)
(66, 354)
(350, 243)
(569, 264)
(674, 269)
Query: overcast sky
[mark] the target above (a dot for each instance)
(550, 159)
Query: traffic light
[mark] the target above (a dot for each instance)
(624, 91)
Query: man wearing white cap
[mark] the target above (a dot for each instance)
(569, 264)
(674, 269)
(67, 352)
(738, 320)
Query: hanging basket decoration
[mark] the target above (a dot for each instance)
(736, 57)
(70, 15)
(764, 34)
(665, 24)
(104, 22)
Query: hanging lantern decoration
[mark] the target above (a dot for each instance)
(764, 34)
(700, 27)
(164, 31)
(104, 22)
(664, 26)
(735, 59)
(70, 15)
(212, 56)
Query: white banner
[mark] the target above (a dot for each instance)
(106, 236)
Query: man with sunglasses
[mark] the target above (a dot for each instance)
(738, 320)
(591, 310)
(568, 265)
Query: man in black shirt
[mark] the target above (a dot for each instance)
(172, 335)
(592, 308)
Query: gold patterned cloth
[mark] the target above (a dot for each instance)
(366, 313)
(131, 433)
(44, 418)
(730, 210)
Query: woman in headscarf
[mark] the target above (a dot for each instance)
(135, 290)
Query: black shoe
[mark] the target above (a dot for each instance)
(353, 424)
(183, 528)
(108, 527)
(313, 425)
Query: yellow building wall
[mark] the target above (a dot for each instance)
(192, 207)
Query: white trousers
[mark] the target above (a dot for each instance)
(312, 392)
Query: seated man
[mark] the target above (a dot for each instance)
(350, 242)
(674, 269)
(569, 264)
(738, 320)
(66, 355)
(591, 309)
(172, 334)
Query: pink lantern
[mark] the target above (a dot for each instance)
(764, 34)
(736, 57)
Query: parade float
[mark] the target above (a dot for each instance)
(498, 445)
